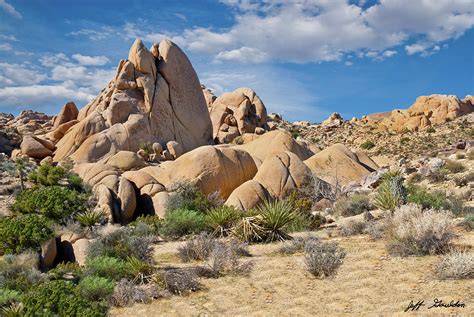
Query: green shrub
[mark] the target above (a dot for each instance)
(367, 145)
(95, 288)
(65, 269)
(433, 200)
(54, 202)
(122, 243)
(469, 220)
(107, 267)
(59, 298)
(221, 219)
(414, 231)
(352, 205)
(47, 175)
(153, 223)
(181, 222)
(19, 272)
(391, 193)
(454, 167)
(24, 232)
(8, 296)
(188, 196)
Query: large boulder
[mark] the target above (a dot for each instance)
(277, 177)
(238, 112)
(32, 147)
(337, 165)
(68, 113)
(125, 160)
(154, 98)
(273, 143)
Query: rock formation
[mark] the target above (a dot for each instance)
(236, 113)
(154, 97)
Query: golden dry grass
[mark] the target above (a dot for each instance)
(369, 283)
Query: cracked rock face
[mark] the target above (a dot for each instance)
(155, 97)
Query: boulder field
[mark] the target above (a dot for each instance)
(155, 126)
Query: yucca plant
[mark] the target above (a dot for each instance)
(89, 218)
(249, 229)
(275, 217)
(12, 310)
(139, 269)
(222, 219)
(391, 193)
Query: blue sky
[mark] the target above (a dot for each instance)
(305, 58)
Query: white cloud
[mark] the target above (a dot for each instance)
(8, 8)
(19, 74)
(244, 55)
(95, 35)
(181, 16)
(91, 60)
(389, 53)
(49, 60)
(416, 48)
(304, 31)
(348, 63)
(8, 37)
(5, 47)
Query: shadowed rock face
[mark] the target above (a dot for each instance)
(154, 97)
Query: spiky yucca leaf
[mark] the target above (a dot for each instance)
(222, 219)
(276, 216)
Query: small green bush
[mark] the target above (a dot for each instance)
(19, 272)
(59, 298)
(62, 269)
(122, 243)
(8, 296)
(352, 205)
(24, 232)
(95, 288)
(367, 145)
(107, 267)
(469, 219)
(181, 222)
(433, 200)
(188, 196)
(54, 202)
(47, 175)
(454, 167)
(221, 219)
(153, 223)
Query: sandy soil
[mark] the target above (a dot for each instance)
(369, 283)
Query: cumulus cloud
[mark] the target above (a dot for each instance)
(8, 8)
(244, 55)
(389, 53)
(91, 60)
(19, 74)
(304, 31)
(6, 47)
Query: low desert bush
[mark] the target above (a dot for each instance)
(225, 260)
(456, 264)
(47, 175)
(414, 231)
(199, 248)
(433, 200)
(352, 205)
(221, 219)
(54, 202)
(470, 155)
(71, 270)
(149, 223)
(182, 222)
(127, 293)
(178, 281)
(391, 193)
(188, 196)
(122, 243)
(8, 296)
(24, 232)
(469, 220)
(375, 229)
(296, 244)
(323, 258)
(95, 288)
(59, 298)
(454, 167)
(19, 272)
(353, 227)
(107, 267)
(367, 145)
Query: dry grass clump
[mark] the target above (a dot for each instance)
(197, 249)
(178, 281)
(225, 260)
(323, 258)
(353, 227)
(352, 205)
(457, 264)
(127, 293)
(414, 231)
